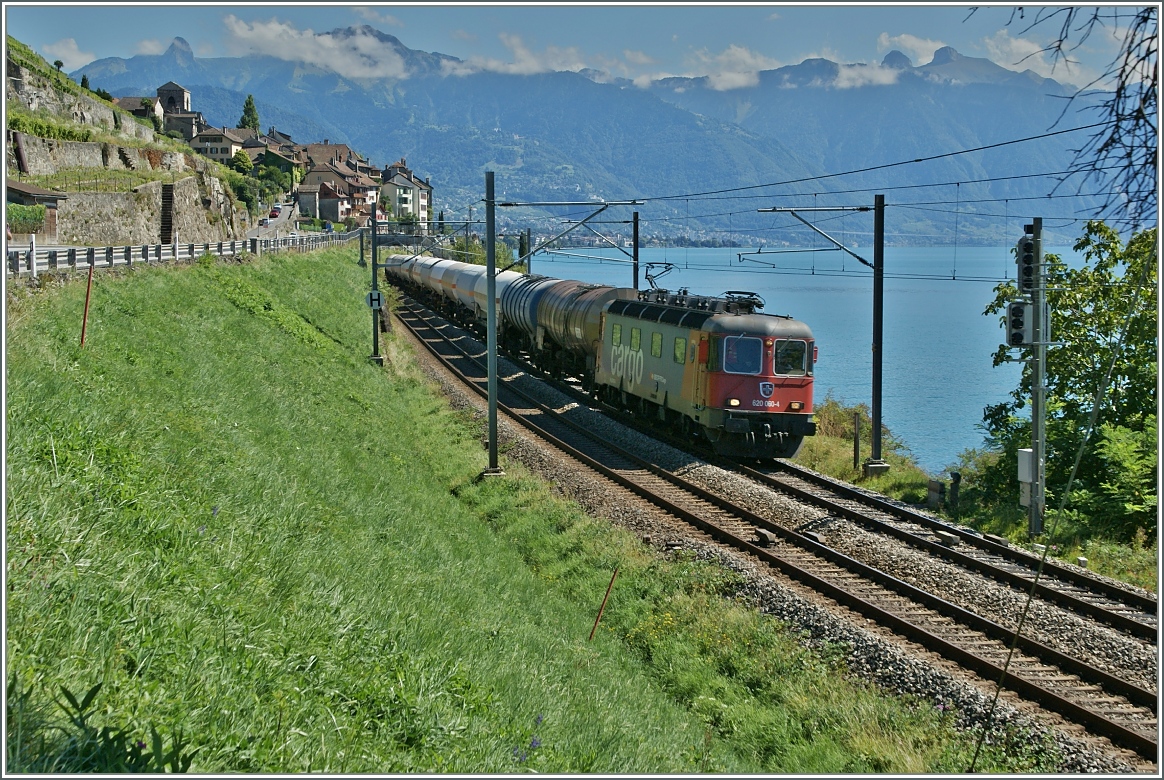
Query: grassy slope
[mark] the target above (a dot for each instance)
(221, 512)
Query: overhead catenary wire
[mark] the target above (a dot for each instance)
(883, 166)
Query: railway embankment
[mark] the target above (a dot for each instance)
(234, 530)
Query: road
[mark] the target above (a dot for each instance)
(279, 226)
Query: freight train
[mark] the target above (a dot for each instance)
(705, 367)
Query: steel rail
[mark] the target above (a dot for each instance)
(1139, 601)
(1022, 582)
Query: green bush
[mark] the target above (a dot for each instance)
(25, 219)
(44, 128)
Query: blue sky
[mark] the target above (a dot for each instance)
(730, 43)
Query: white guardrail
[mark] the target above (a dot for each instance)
(35, 260)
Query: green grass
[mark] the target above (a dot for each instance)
(831, 452)
(101, 179)
(273, 555)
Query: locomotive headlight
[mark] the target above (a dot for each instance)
(733, 402)
(795, 406)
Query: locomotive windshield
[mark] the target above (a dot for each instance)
(743, 355)
(790, 358)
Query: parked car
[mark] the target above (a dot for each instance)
(264, 222)
(274, 213)
(292, 234)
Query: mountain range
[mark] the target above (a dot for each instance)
(583, 136)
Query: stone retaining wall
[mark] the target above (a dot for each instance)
(202, 213)
(46, 156)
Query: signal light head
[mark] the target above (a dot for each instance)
(1018, 324)
(1027, 262)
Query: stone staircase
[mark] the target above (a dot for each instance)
(167, 232)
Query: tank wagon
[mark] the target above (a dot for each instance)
(707, 367)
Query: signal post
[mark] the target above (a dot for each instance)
(1028, 327)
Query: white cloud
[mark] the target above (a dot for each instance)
(647, 79)
(865, 76)
(1016, 53)
(920, 50)
(67, 51)
(721, 82)
(372, 15)
(1022, 54)
(733, 68)
(525, 61)
(773, 17)
(462, 35)
(150, 46)
(360, 56)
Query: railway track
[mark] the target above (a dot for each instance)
(1102, 702)
(1127, 610)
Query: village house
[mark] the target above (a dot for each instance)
(219, 143)
(408, 194)
(307, 196)
(362, 190)
(144, 107)
(29, 195)
(333, 204)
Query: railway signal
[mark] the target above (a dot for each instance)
(1026, 256)
(1019, 325)
(1029, 256)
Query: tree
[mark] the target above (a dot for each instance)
(1101, 312)
(58, 64)
(441, 222)
(1120, 156)
(250, 115)
(84, 81)
(241, 162)
(473, 251)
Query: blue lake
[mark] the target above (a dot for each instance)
(937, 375)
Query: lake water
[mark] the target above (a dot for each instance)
(936, 368)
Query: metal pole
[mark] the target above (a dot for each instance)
(528, 251)
(1038, 388)
(85, 318)
(856, 440)
(491, 321)
(603, 607)
(878, 465)
(376, 356)
(635, 246)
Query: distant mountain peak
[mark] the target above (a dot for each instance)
(180, 52)
(895, 59)
(944, 55)
(365, 29)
